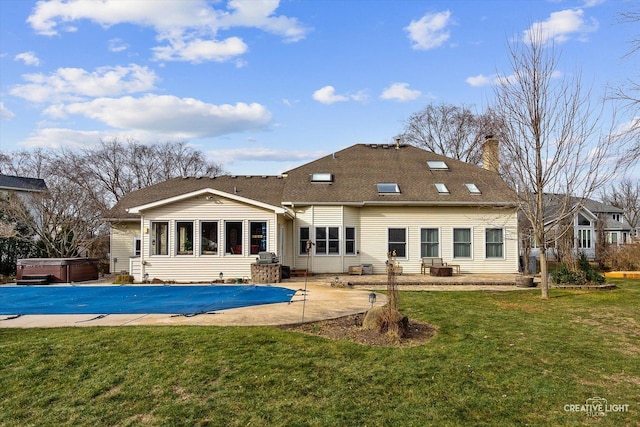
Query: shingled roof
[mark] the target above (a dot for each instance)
(353, 174)
(266, 189)
(356, 170)
(19, 183)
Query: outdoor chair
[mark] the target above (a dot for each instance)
(431, 262)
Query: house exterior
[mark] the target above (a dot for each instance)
(24, 188)
(355, 206)
(591, 221)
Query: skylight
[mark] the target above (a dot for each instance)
(442, 189)
(321, 177)
(472, 188)
(437, 165)
(388, 188)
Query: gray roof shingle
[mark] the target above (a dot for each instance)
(9, 182)
(356, 170)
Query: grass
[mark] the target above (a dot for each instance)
(499, 359)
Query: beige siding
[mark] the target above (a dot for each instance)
(122, 244)
(205, 268)
(376, 221)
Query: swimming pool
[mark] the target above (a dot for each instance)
(142, 299)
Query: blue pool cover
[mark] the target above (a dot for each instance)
(186, 300)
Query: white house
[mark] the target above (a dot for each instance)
(355, 205)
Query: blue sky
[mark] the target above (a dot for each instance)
(264, 86)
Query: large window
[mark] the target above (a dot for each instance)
(327, 240)
(159, 238)
(584, 238)
(258, 232)
(429, 243)
(397, 241)
(303, 239)
(233, 237)
(350, 240)
(209, 238)
(462, 243)
(494, 241)
(184, 238)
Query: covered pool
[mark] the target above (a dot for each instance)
(131, 299)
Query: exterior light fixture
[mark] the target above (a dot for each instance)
(372, 298)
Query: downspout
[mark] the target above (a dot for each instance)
(142, 247)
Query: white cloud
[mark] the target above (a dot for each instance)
(169, 115)
(5, 113)
(327, 95)
(62, 138)
(479, 80)
(72, 84)
(263, 155)
(29, 58)
(400, 92)
(560, 27)
(198, 50)
(117, 45)
(430, 31)
(191, 26)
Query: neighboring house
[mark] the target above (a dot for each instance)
(590, 220)
(355, 205)
(24, 188)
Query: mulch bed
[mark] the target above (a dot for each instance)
(348, 328)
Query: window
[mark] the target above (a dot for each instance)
(442, 189)
(184, 238)
(582, 220)
(388, 188)
(209, 238)
(397, 241)
(473, 189)
(304, 238)
(350, 240)
(437, 165)
(233, 237)
(159, 238)
(462, 243)
(327, 240)
(613, 238)
(494, 242)
(429, 243)
(584, 238)
(321, 177)
(137, 245)
(258, 232)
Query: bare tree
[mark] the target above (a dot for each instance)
(450, 130)
(628, 93)
(83, 185)
(626, 196)
(551, 140)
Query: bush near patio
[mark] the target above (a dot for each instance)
(498, 358)
(582, 274)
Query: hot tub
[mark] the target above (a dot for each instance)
(58, 270)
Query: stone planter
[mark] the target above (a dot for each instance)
(524, 282)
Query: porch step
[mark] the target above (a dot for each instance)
(34, 279)
(300, 272)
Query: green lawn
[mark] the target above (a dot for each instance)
(498, 359)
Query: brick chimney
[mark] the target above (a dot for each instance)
(491, 154)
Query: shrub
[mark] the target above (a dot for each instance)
(583, 275)
(624, 258)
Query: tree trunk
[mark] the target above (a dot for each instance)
(544, 281)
